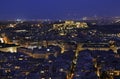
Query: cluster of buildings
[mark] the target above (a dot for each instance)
(58, 50)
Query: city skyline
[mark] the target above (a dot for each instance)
(62, 9)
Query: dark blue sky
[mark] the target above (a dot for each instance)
(53, 9)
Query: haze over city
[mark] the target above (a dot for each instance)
(57, 9)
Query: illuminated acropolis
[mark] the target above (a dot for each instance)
(70, 25)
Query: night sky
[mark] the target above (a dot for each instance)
(57, 9)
